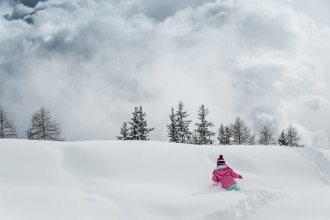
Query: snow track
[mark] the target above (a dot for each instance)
(254, 200)
(320, 162)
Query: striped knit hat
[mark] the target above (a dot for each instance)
(220, 160)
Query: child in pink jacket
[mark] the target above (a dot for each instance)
(225, 175)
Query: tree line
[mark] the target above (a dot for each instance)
(44, 127)
(178, 130)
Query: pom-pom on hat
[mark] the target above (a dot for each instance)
(220, 160)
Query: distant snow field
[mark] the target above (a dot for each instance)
(119, 180)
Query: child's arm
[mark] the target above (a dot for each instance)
(215, 177)
(235, 175)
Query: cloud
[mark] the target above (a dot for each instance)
(91, 62)
(30, 3)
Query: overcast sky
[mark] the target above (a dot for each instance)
(91, 62)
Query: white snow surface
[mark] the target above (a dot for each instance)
(119, 180)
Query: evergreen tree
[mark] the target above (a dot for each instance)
(133, 130)
(241, 133)
(194, 138)
(7, 127)
(266, 136)
(282, 140)
(143, 126)
(172, 128)
(43, 127)
(221, 135)
(224, 135)
(139, 129)
(293, 137)
(251, 139)
(227, 135)
(203, 133)
(184, 135)
(124, 131)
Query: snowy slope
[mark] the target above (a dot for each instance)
(96, 180)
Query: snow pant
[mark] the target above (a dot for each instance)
(233, 187)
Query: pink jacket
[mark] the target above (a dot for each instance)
(225, 176)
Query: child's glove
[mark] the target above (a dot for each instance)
(240, 177)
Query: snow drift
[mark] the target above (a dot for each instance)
(155, 180)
